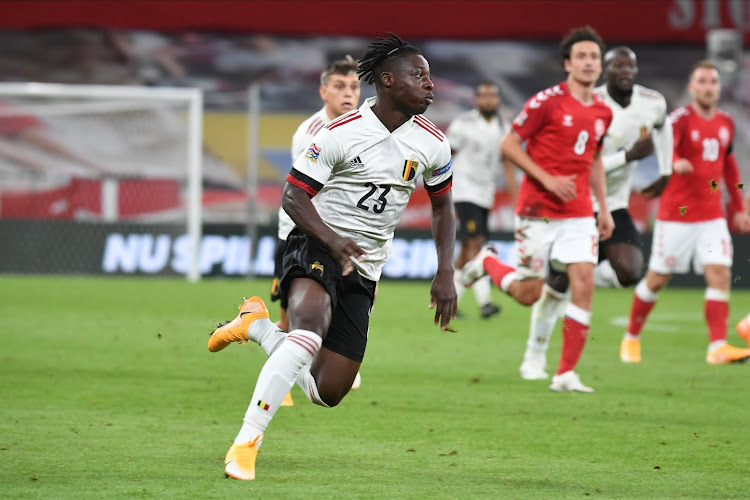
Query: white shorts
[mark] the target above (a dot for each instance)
(675, 244)
(557, 242)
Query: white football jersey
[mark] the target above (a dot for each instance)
(476, 157)
(361, 177)
(647, 110)
(300, 140)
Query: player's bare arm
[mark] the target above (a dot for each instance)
(509, 172)
(442, 291)
(562, 186)
(655, 188)
(598, 184)
(737, 205)
(296, 202)
(642, 148)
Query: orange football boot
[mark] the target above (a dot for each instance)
(236, 330)
(240, 459)
(743, 328)
(727, 354)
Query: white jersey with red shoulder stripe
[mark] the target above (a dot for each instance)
(562, 136)
(361, 177)
(300, 141)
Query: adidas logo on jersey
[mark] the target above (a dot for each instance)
(356, 162)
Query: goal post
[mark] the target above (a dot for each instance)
(140, 105)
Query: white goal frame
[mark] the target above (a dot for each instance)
(192, 97)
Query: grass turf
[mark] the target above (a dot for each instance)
(108, 390)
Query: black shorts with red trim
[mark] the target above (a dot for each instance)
(472, 221)
(625, 232)
(351, 296)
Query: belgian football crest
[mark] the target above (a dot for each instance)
(410, 169)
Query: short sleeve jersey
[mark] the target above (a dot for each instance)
(476, 157)
(300, 141)
(647, 110)
(361, 176)
(705, 142)
(562, 136)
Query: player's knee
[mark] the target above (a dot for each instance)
(628, 271)
(332, 396)
(629, 277)
(582, 284)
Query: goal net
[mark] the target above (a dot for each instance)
(94, 178)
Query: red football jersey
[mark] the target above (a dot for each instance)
(562, 135)
(705, 143)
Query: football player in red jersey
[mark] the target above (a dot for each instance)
(690, 224)
(563, 128)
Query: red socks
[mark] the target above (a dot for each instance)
(638, 315)
(497, 270)
(717, 317)
(575, 330)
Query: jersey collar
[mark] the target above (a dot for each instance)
(367, 113)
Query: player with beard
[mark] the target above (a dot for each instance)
(690, 224)
(475, 137)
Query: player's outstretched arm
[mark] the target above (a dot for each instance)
(296, 202)
(443, 292)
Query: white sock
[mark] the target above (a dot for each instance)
(644, 292)
(605, 275)
(460, 288)
(544, 315)
(716, 344)
(264, 332)
(276, 378)
(578, 314)
(717, 295)
(306, 382)
(507, 280)
(481, 289)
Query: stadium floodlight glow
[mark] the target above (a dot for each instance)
(117, 98)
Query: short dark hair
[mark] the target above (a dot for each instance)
(380, 51)
(488, 83)
(584, 34)
(705, 63)
(339, 67)
(618, 51)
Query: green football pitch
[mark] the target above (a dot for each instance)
(107, 390)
